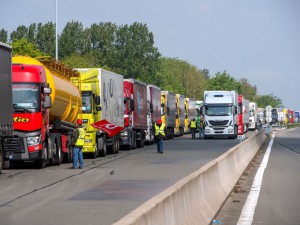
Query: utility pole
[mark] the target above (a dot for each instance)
(56, 38)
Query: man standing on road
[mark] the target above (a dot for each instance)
(201, 127)
(77, 143)
(193, 127)
(160, 133)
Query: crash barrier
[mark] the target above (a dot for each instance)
(197, 198)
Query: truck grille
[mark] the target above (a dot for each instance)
(218, 122)
(219, 130)
(12, 145)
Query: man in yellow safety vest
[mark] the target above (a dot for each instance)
(193, 127)
(160, 133)
(77, 144)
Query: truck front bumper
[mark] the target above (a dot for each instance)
(219, 131)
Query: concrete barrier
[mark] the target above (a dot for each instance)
(197, 198)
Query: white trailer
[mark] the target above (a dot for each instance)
(252, 116)
(220, 114)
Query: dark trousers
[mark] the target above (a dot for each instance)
(160, 144)
(193, 130)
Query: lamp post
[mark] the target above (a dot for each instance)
(56, 39)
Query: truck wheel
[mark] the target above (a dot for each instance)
(57, 152)
(41, 163)
(102, 152)
(117, 144)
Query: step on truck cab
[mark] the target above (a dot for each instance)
(220, 114)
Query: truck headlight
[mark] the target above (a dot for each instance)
(124, 134)
(230, 129)
(33, 140)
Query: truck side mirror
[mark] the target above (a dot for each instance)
(151, 107)
(202, 110)
(97, 100)
(235, 110)
(47, 102)
(131, 105)
(47, 90)
(168, 110)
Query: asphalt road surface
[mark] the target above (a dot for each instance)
(278, 200)
(106, 189)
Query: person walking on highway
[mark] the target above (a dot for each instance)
(193, 127)
(201, 128)
(160, 133)
(77, 144)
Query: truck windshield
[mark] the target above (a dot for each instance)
(218, 110)
(26, 96)
(251, 112)
(86, 103)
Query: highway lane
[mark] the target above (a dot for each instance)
(106, 189)
(278, 200)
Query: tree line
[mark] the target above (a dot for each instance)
(128, 50)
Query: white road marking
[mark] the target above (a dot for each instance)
(247, 214)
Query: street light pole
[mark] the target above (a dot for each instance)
(56, 39)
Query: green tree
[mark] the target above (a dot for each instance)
(3, 36)
(247, 90)
(23, 47)
(82, 61)
(102, 42)
(45, 37)
(135, 55)
(181, 77)
(72, 40)
(31, 35)
(223, 81)
(20, 33)
(272, 100)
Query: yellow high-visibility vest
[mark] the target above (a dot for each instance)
(80, 139)
(193, 124)
(160, 130)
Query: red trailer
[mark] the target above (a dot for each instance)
(135, 114)
(243, 115)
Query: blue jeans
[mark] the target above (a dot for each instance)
(201, 133)
(77, 154)
(160, 145)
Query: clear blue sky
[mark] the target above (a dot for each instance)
(258, 40)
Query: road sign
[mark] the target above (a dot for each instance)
(241, 137)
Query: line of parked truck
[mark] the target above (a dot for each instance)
(47, 98)
(42, 99)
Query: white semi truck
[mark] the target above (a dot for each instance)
(252, 116)
(220, 114)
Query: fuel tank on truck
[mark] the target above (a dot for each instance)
(65, 96)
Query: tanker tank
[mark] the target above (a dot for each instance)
(65, 96)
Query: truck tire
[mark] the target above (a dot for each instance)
(102, 152)
(41, 163)
(57, 152)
